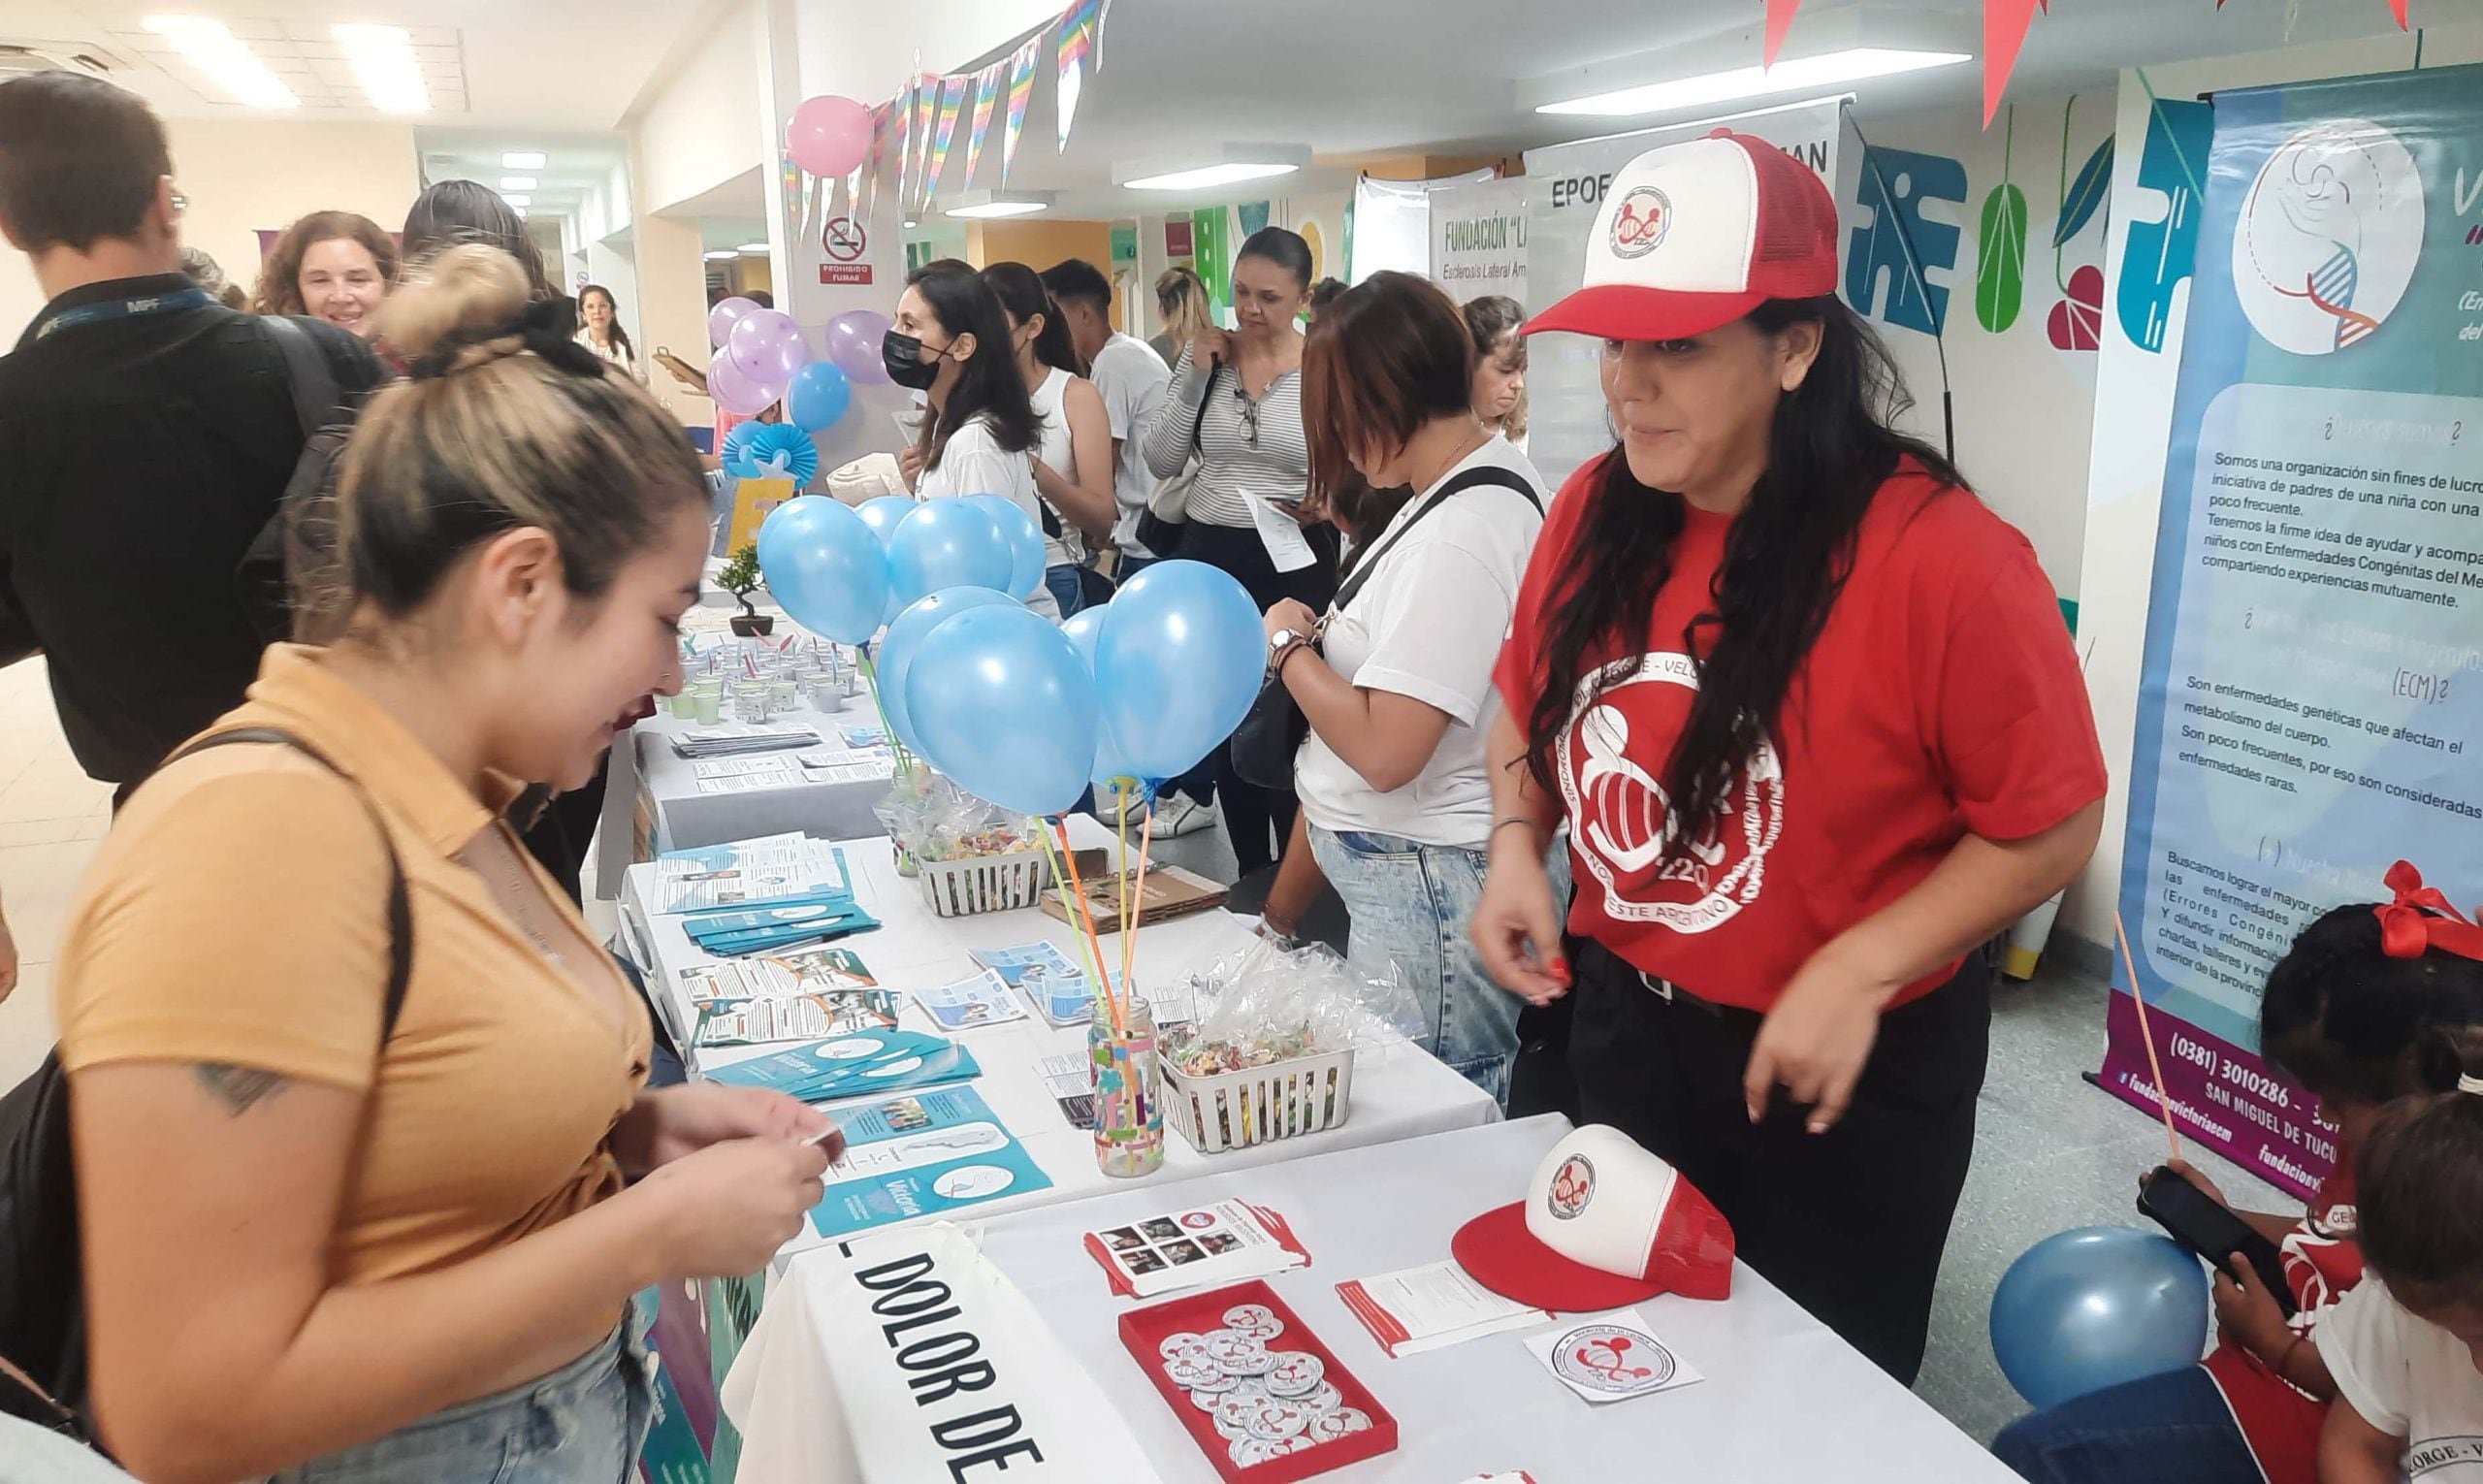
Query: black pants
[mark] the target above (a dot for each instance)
(1849, 1223)
(1259, 820)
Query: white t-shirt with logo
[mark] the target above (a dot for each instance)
(2409, 1378)
(975, 463)
(1132, 379)
(1428, 624)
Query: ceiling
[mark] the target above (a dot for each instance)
(558, 64)
(1441, 76)
(574, 164)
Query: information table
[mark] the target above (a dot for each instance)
(684, 818)
(1397, 1094)
(1784, 1398)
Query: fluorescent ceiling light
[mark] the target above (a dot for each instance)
(722, 255)
(1215, 165)
(224, 60)
(1208, 176)
(383, 62)
(521, 201)
(1789, 74)
(911, 224)
(981, 205)
(751, 247)
(523, 159)
(518, 183)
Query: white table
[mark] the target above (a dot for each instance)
(1398, 1093)
(1784, 1398)
(686, 818)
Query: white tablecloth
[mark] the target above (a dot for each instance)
(686, 819)
(1783, 1400)
(1397, 1094)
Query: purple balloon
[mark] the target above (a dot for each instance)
(853, 344)
(768, 346)
(726, 313)
(736, 391)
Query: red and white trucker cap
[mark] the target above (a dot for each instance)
(1694, 235)
(1604, 1224)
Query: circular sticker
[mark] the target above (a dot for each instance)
(1573, 1187)
(1206, 1401)
(1181, 1342)
(1641, 222)
(1293, 1374)
(1252, 1452)
(1275, 1418)
(1200, 1221)
(1255, 1320)
(1237, 1353)
(1197, 1374)
(1612, 1358)
(973, 1182)
(1322, 1399)
(1343, 1422)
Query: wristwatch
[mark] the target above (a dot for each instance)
(1281, 643)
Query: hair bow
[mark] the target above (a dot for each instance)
(547, 327)
(2421, 920)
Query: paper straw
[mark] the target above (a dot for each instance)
(1069, 912)
(2162, 1101)
(1138, 910)
(1121, 1023)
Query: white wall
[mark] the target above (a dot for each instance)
(2133, 422)
(702, 129)
(240, 176)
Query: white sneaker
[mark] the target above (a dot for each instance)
(1177, 814)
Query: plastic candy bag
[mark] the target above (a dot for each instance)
(1277, 1001)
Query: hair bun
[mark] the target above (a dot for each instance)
(463, 289)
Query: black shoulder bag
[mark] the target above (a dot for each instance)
(1264, 745)
(1161, 535)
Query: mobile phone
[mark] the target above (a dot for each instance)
(1290, 504)
(2193, 1218)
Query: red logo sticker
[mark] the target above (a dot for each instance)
(1640, 223)
(1573, 1187)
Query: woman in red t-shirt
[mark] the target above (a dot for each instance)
(1815, 725)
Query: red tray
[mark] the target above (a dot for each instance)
(1142, 1329)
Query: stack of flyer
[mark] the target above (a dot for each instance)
(1431, 1307)
(778, 870)
(736, 741)
(1202, 1247)
(866, 1063)
(732, 933)
(792, 996)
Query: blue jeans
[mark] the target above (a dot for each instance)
(582, 1424)
(1411, 905)
(2169, 1429)
(1062, 583)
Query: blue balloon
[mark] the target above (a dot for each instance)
(1178, 664)
(820, 393)
(1026, 557)
(882, 513)
(1115, 772)
(903, 640)
(1003, 709)
(824, 566)
(771, 450)
(947, 543)
(2095, 1308)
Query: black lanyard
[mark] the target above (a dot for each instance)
(191, 297)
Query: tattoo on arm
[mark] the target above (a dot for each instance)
(239, 1088)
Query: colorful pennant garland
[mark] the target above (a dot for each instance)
(1077, 44)
(944, 132)
(987, 93)
(1021, 88)
(926, 112)
(2004, 32)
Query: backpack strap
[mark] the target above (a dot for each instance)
(317, 400)
(400, 913)
(1489, 473)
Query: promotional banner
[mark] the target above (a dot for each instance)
(2308, 692)
(1391, 224)
(1565, 187)
(1478, 239)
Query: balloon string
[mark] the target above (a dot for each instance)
(1120, 1024)
(1136, 894)
(888, 730)
(2162, 1101)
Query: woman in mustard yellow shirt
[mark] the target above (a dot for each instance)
(320, 1247)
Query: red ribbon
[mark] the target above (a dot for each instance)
(2421, 920)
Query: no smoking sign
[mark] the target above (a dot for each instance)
(844, 241)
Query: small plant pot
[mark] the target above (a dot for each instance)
(753, 626)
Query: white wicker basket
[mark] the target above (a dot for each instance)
(960, 888)
(1235, 1110)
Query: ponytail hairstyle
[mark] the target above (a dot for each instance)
(1023, 296)
(1831, 445)
(987, 385)
(1181, 299)
(2419, 1190)
(503, 423)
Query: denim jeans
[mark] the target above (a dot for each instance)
(1062, 583)
(1411, 905)
(2169, 1429)
(582, 1424)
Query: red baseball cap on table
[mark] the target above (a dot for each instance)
(1694, 236)
(1604, 1224)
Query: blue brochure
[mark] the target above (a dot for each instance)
(917, 1156)
(861, 1064)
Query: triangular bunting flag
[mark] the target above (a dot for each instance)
(1021, 87)
(926, 110)
(1077, 42)
(2004, 31)
(987, 93)
(944, 131)
(1780, 19)
(869, 199)
(2397, 8)
(1095, 38)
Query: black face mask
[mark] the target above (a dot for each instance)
(902, 355)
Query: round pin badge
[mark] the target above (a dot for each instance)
(1295, 1372)
(1322, 1399)
(1238, 1354)
(1275, 1419)
(1343, 1422)
(1252, 1452)
(1182, 1344)
(1198, 1375)
(1256, 1321)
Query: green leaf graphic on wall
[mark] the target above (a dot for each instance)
(1211, 254)
(2000, 249)
(2086, 194)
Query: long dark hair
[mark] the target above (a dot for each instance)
(454, 211)
(1830, 447)
(1023, 296)
(987, 383)
(2349, 1022)
(620, 337)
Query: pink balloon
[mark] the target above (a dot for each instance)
(828, 136)
(734, 391)
(768, 346)
(726, 313)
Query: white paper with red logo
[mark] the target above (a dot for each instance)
(1433, 1308)
(1208, 1246)
(1611, 1357)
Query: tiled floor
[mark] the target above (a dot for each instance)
(2052, 1153)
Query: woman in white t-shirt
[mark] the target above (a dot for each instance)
(2405, 1348)
(1399, 696)
(1074, 458)
(949, 341)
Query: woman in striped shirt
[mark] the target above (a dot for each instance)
(1236, 407)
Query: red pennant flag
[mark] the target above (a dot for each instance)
(2004, 31)
(2397, 8)
(1780, 19)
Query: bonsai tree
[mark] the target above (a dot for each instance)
(740, 577)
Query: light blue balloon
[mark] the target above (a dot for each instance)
(903, 640)
(2095, 1308)
(1003, 707)
(827, 570)
(1178, 664)
(1026, 557)
(882, 513)
(1113, 772)
(947, 543)
(819, 394)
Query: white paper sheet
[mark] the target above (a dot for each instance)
(1280, 533)
(1612, 1357)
